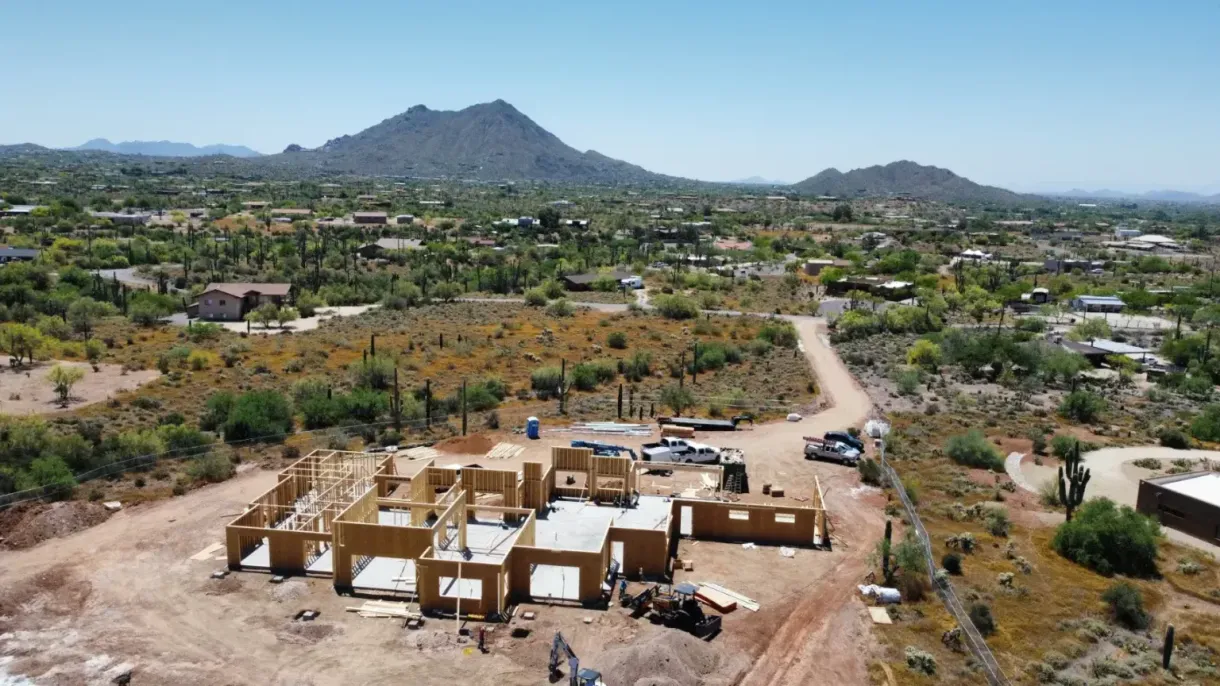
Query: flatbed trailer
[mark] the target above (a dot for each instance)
(704, 424)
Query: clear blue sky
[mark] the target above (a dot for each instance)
(1029, 95)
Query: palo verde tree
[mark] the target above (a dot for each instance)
(1072, 480)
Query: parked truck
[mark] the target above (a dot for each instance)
(680, 450)
(836, 451)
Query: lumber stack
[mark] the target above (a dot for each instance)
(721, 602)
(505, 451)
(383, 608)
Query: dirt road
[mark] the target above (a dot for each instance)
(125, 593)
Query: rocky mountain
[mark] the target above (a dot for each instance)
(903, 178)
(166, 149)
(487, 142)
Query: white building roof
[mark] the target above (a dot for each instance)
(1116, 347)
(1155, 238)
(1204, 487)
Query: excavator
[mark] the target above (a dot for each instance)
(680, 610)
(576, 676)
(639, 603)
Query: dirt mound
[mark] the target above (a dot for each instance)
(476, 444)
(55, 592)
(307, 633)
(31, 524)
(674, 659)
(290, 590)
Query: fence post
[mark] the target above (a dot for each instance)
(463, 407)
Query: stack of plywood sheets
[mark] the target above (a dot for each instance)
(383, 608)
(505, 451)
(423, 452)
(720, 602)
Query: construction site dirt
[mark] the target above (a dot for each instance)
(134, 594)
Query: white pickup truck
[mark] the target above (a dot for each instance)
(818, 448)
(680, 450)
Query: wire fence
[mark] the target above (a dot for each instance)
(944, 589)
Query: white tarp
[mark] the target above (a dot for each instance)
(881, 593)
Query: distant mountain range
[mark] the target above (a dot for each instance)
(1149, 196)
(904, 178)
(759, 181)
(166, 149)
(487, 142)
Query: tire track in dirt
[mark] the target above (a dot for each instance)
(823, 638)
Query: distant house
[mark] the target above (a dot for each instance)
(577, 223)
(18, 210)
(122, 218)
(1123, 233)
(370, 217)
(232, 301)
(890, 290)
(1038, 296)
(404, 219)
(292, 212)
(975, 255)
(8, 254)
(255, 204)
(584, 282)
(1097, 303)
(383, 245)
(1060, 266)
(1153, 241)
(815, 267)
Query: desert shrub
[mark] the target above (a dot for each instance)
(308, 304)
(218, 406)
(920, 661)
(782, 334)
(199, 360)
(545, 382)
(319, 411)
(677, 398)
(1062, 444)
(982, 619)
(1173, 438)
(365, 404)
(1126, 605)
(1048, 493)
(908, 380)
(758, 347)
(1082, 406)
(637, 367)
(258, 415)
(560, 308)
(1206, 426)
(1031, 324)
(617, 340)
(375, 372)
(952, 562)
(1038, 438)
(925, 354)
(997, 522)
(204, 331)
(870, 471)
(50, 473)
(231, 355)
(972, 449)
(675, 307)
(210, 468)
(552, 289)
(179, 437)
(309, 387)
(1189, 567)
(1110, 539)
(535, 297)
(53, 327)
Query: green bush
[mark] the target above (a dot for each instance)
(179, 437)
(997, 522)
(637, 367)
(211, 468)
(560, 308)
(365, 405)
(1206, 426)
(259, 415)
(870, 471)
(218, 404)
(535, 297)
(952, 562)
(782, 334)
(319, 411)
(675, 307)
(1038, 440)
(552, 289)
(309, 387)
(48, 472)
(1082, 406)
(545, 382)
(375, 372)
(972, 449)
(1172, 438)
(617, 340)
(1062, 444)
(1110, 539)
(1127, 605)
(982, 619)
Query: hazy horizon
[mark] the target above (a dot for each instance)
(1037, 96)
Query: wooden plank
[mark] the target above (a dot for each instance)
(722, 602)
(742, 600)
(879, 615)
(206, 553)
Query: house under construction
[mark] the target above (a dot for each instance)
(475, 541)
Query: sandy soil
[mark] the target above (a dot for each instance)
(125, 594)
(26, 391)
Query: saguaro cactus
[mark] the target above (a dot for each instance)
(887, 572)
(1072, 480)
(1167, 651)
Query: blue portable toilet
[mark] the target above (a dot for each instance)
(532, 426)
